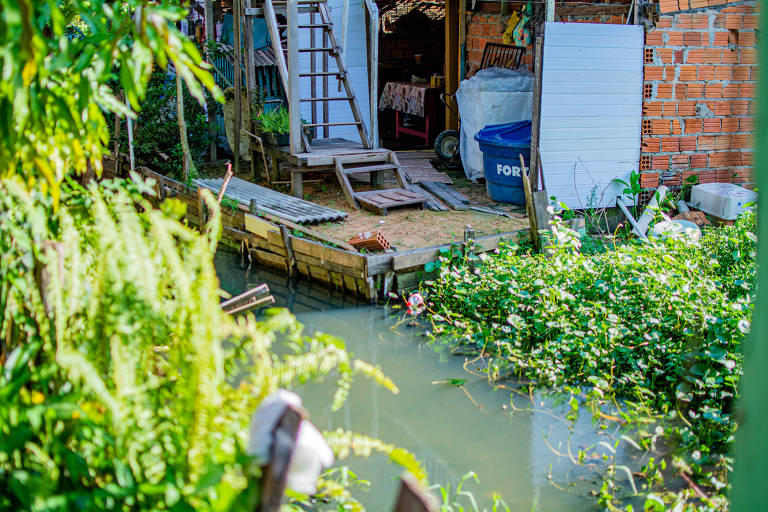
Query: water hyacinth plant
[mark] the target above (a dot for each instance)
(656, 327)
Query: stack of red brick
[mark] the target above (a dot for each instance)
(698, 94)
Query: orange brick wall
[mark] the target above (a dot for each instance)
(699, 93)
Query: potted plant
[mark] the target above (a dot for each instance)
(275, 125)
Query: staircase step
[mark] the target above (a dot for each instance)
(351, 123)
(301, 2)
(322, 73)
(380, 201)
(329, 98)
(370, 168)
(319, 49)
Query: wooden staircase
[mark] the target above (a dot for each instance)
(378, 201)
(327, 47)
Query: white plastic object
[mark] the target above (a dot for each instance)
(311, 454)
(672, 228)
(645, 219)
(491, 96)
(723, 200)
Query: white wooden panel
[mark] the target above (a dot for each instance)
(356, 59)
(591, 110)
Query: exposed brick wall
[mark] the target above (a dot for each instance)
(485, 27)
(698, 96)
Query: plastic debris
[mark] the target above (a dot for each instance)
(416, 304)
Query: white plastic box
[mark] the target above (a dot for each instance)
(723, 200)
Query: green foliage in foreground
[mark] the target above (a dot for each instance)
(658, 326)
(124, 385)
(58, 59)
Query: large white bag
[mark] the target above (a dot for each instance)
(491, 96)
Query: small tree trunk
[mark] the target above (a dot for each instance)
(188, 164)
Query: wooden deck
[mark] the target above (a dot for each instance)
(324, 152)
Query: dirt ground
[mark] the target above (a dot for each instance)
(411, 228)
(405, 228)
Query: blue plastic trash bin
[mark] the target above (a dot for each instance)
(502, 145)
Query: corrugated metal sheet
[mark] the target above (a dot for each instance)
(273, 202)
(591, 110)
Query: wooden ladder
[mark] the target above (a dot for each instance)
(326, 46)
(378, 201)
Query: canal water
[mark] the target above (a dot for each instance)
(517, 445)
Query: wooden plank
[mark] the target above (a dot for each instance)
(536, 117)
(258, 226)
(236, 4)
(419, 257)
(292, 91)
(270, 259)
(378, 263)
(451, 197)
(328, 265)
(433, 203)
(346, 186)
(451, 63)
(347, 259)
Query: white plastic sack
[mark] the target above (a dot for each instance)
(491, 96)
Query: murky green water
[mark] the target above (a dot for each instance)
(510, 445)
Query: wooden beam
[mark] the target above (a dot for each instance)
(462, 39)
(238, 83)
(210, 35)
(538, 60)
(294, 105)
(276, 472)
(550, 10)
(451, 57)
(250, 82)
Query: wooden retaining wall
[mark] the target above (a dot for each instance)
(370, 276)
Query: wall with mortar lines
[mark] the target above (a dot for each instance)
(699, 93)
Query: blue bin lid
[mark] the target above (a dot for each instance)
(507, 135)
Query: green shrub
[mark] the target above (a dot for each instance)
(125, 384)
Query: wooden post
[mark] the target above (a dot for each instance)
(275, 473)
(210, 36)
(250, 83)
(451, 57)
(462, 39)
(313, 67)
(294, 106)
(538, 59)
(238, 82)
(326, 110)
(412, 498)
(372, 29)
(130, 137)
(290, 258)
(550, 10)
(529, 207)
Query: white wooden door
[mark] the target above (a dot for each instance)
(591, 110)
